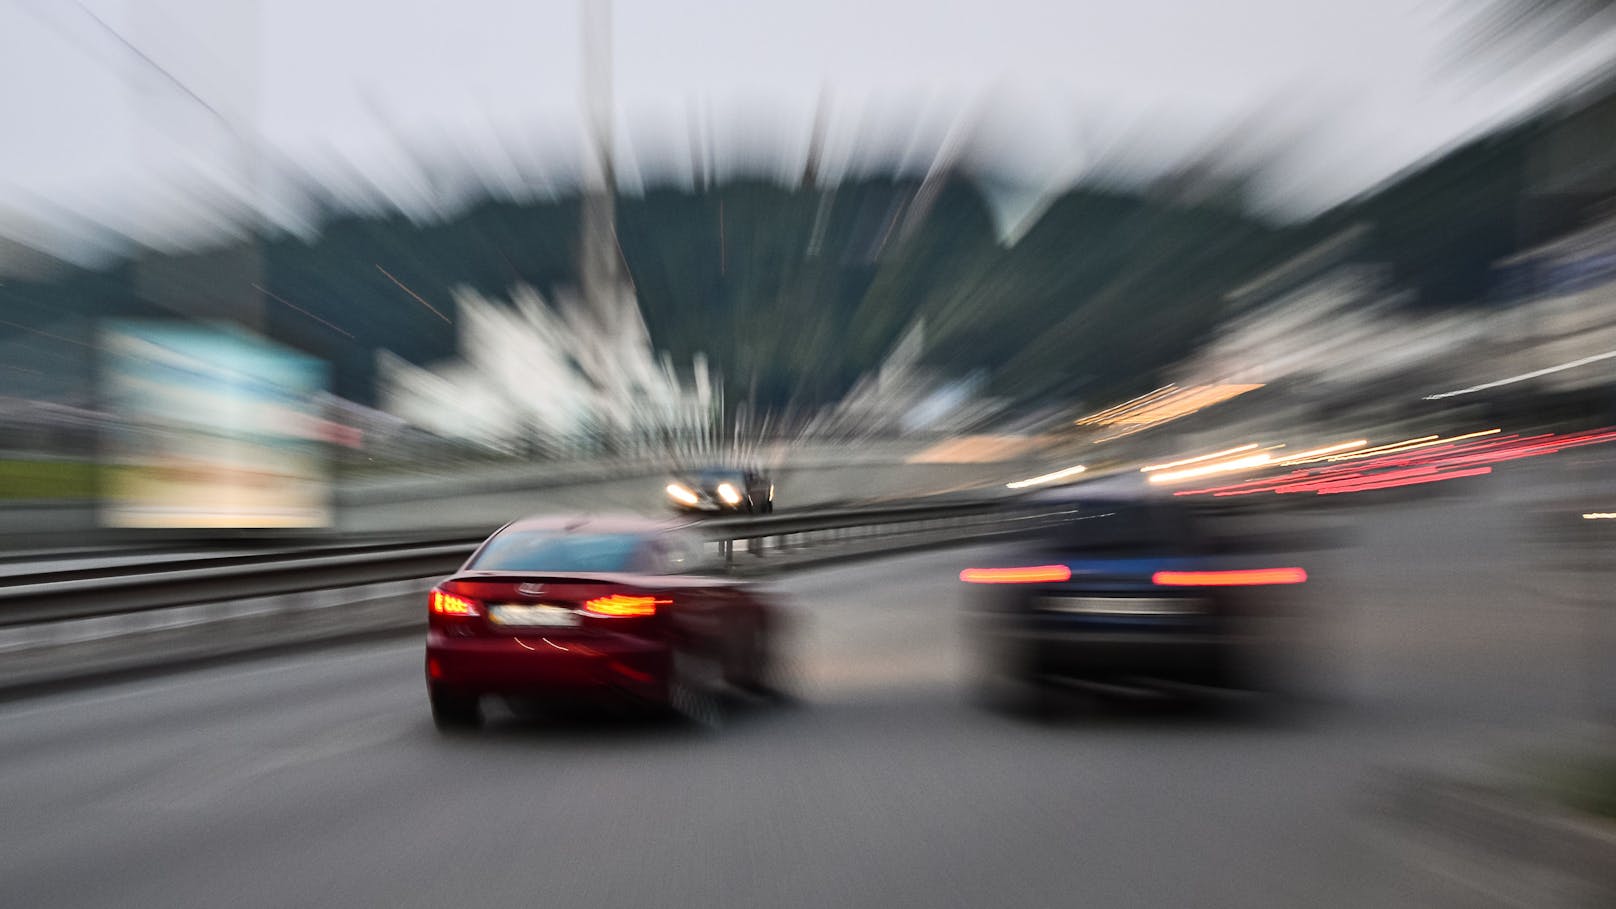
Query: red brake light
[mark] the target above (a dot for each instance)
(1032, 574)
(449, 604)
(1250, 577)
(621, 606)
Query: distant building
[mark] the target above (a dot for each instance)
(1325, 320)
(1560, 310)
(530, 376)
(580, 375)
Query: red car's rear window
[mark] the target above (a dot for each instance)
(543, 550)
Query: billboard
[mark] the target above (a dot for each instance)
(215, 428)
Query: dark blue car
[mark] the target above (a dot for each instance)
(1124, 593)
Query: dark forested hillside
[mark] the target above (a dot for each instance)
(793, 292)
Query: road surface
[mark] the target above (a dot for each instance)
(316, 779)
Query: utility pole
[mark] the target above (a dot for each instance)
(609, 310)
(600, 269)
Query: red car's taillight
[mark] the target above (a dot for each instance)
(1031, 574)
(1247, 577)
(448, 604)
(623, 606)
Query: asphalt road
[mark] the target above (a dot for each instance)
(317, 779)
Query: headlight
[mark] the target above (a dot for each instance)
(680, 494)
(728, 494)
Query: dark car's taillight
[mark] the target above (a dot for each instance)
(1030, 574)
(1245, 577)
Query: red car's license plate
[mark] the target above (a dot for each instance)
(527, 615)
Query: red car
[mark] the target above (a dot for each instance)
(595, 608)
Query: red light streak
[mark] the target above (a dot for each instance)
(1433, 464)
(1410, 481)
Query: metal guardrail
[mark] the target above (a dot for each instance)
(788, 533)
(128, 563)
(31, 603)
(119, 590)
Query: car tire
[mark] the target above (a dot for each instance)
(1015, 696)
(696, 690)
(769, 674)
(455, 711)
(1003, 683)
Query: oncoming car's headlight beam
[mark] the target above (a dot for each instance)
(1151, 468)
(1206, 470)
(1047, 478)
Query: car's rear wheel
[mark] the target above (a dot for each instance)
(1002, 681)
(696, 689)
(766, 671)
(455, 711)
(1018, 696)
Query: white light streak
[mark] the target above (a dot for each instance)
(1047, 478)
(1609, 354)
(1198, 458)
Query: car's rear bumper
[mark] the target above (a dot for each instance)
(537, 665)
(1204, 658)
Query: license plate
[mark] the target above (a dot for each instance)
(1124, 605)
(527, 615)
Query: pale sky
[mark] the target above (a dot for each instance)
(368, 95)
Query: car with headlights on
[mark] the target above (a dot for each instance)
(596, 610)
(722, 490)
(1126, 594)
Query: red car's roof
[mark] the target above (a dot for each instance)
(597, 523)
